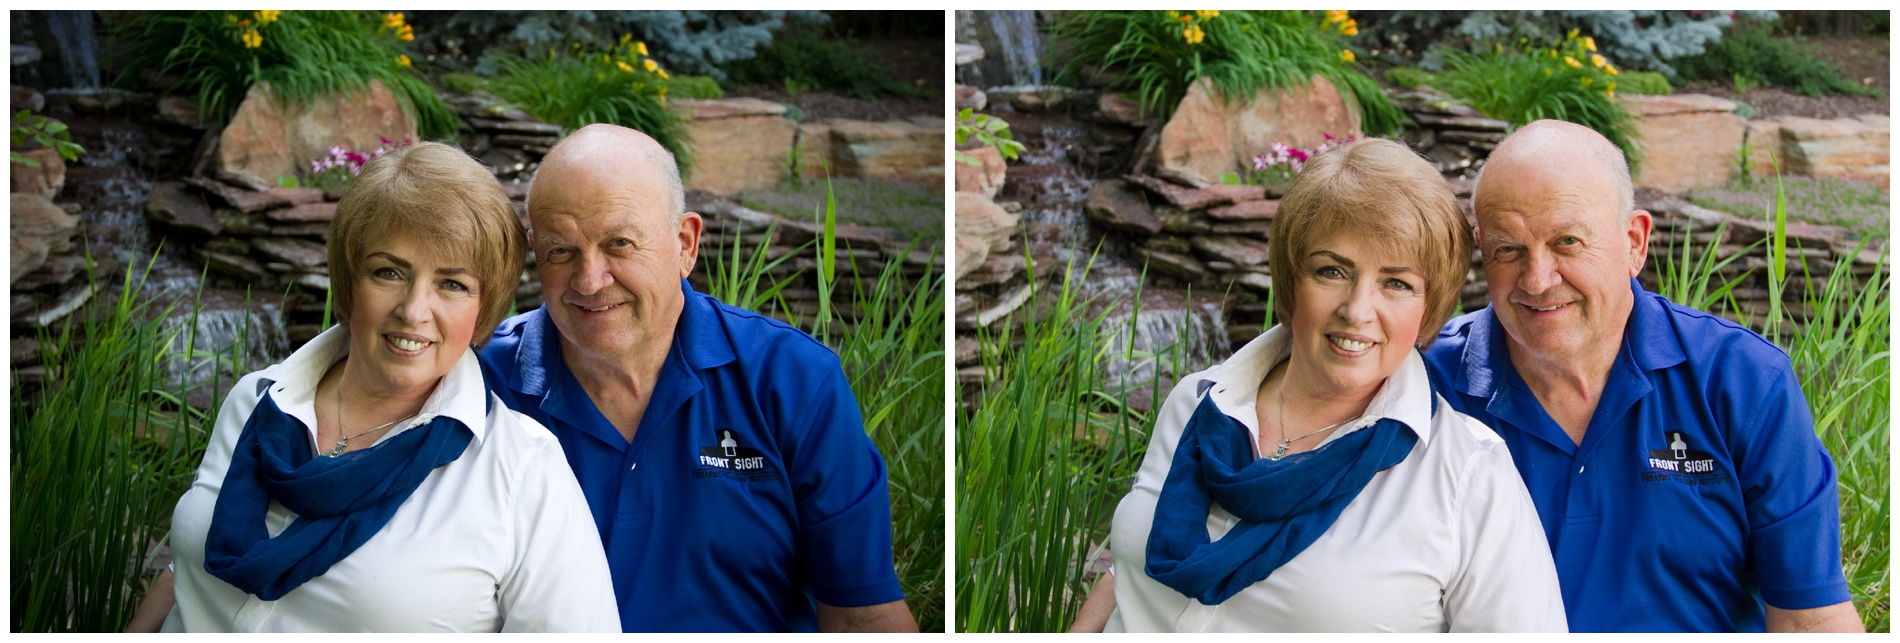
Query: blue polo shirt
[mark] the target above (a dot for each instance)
(750, 488)
(1699, 490)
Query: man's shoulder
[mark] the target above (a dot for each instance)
(1708, 339)
(754, 335)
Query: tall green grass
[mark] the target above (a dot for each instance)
(892, 353)
(582, 87)
(98, 455)
(1526, 84)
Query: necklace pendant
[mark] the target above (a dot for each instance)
(338, 450)
(1280, 452)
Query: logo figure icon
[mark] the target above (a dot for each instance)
(1679, 447)
(727, 442)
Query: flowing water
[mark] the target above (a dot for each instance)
(78, 42)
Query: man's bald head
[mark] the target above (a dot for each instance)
(1553, 145)
(611, 153)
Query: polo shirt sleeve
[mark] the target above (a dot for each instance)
(1788, 486)
(559, 581)
(843, 501)
(1507, 582)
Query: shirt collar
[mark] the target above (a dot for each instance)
(1406, 396)
(1649, 338)
(461, 395)
(697, 336)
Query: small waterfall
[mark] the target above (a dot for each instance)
(1021, 43)
(75, 34)
(227, 338)
(1169, 342)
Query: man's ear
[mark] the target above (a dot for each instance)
(1638, 232)
(691, 225)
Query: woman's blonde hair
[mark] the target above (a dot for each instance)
(1382, 191)
(440, 194)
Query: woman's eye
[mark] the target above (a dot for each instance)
(1330, 272)
(386, 273)
(1399, 284)
(453, 285)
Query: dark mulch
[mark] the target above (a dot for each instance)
(914, 62)
(1859, 58)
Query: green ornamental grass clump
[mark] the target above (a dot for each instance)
(624, 86)
(1569, 82)
(1408, 77)
(1160, 54)
(218, 55)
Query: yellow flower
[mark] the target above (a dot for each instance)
(663, 76)
(1346, 54)
(402, 60)
(1553, 53)
(1186, 18)
(1610, 68)
(244, 23)
(267, 16)
(1336, 15)
(1589, 43)
(1572, 62)
(392, 20)
(1572, 34)
(622, 64)
(650, 65)
(406, 34)
(230, 18)
(1193, 34)
(1206, 14)
(1172, 14)
(640, 47)
(1609, 86)
(1597, 60)
(1351, 27)
(252, 40)
(625, 38)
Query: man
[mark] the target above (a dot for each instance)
(721, 452)
(1670, 453)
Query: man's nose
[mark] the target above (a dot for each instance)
(591, 275)
(1540, 273)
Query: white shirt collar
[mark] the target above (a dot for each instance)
(461, 394)
(1405, 396)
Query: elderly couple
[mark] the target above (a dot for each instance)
(632, 455)
(1579, 455)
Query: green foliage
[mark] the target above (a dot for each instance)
(583, 86)
(702, 87)
(1526, 84)
(893, 356)
(1650, 83)
(463, 82)
(98, 458)
(1160, 54)
(691, 42)
(217, 56)
(1644, 39)
(1408, 77)
(809, 58)
(1752, 54)
(47, 132)
(990, 130)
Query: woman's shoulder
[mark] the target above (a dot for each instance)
(1463, 439)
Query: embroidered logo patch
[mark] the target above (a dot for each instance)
(1678, 462)
(728, 458)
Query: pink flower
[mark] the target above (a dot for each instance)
(1328, 136)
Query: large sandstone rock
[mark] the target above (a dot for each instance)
(32, 215)
(971, 252)
(1851, 148)
(1689, 140)
(985, 178)
(45, 180)
(738, 143)
(26, 255)
(981, 219)
(813, 143)
(172, 204)
(1208, 136)
(1763, 139)
(910, 149)
(270, 138)
(1121, 206)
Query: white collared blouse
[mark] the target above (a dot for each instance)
(1445, 541)
(498, 540)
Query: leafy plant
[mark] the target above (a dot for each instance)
(1643, 39)
(48, 132)
(690, 42)
(810, 58)
(463, 82)
(989, 130)
(623, 86)
(1649, 83)
(1752, 55)
(702, 87)
(1408, 77)
(1160, 54)
(1569, 82)
(217, 56)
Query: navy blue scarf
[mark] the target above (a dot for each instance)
(1283, 505)
(340, 502)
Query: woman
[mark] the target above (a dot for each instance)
(1340, 493)
(370, 482)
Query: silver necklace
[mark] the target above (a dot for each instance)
(1285, 441)
(345, 440)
